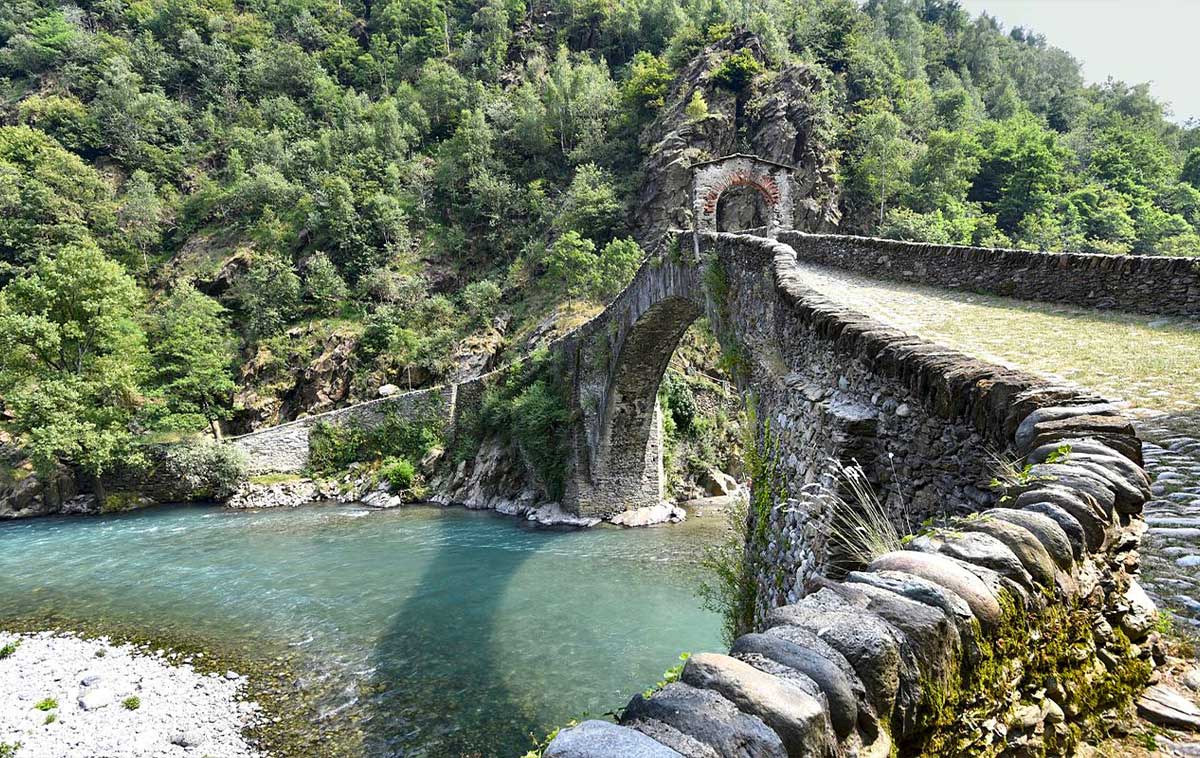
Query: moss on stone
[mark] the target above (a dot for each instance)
(1029, 651)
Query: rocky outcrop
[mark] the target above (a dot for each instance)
(778, 118)
(29, 494)
(316, 377)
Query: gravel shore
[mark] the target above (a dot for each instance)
(62, 696)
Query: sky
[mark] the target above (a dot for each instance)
(1147, 40)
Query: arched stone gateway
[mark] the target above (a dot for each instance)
(772, 182)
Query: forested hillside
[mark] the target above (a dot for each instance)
(226, 212)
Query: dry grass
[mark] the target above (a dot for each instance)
(860, 525)
(1119, 355)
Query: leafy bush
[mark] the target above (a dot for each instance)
(46, 704)
(132, 703)
(9, 749)
(399, 473)
(8, 649)
(737, 71)
(333, 448)
(206, 468)
(528, 407)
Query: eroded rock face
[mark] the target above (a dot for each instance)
(271, 394)
(779, 120)
(31, 494)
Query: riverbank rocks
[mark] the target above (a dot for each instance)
(1169, 707)
(706, 717)
(90, 679)
(285, 494)
(603, 739)
(651, 515)
(798, 718)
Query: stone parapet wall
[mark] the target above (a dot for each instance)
(1139, 283)
(1013, 628)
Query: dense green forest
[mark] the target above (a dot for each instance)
(201, 200)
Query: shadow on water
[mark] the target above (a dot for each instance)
(439, 687)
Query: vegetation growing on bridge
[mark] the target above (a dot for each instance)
(1060, 661)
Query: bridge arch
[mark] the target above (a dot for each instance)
(621, 357)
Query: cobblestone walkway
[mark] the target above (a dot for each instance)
(1151, 363)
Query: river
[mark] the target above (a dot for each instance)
(422, 631)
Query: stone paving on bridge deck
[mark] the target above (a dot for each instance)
(1151, 362)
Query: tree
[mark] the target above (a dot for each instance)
(142, 215)
(571, 263)
(885, 160)
(192, 350)
(619, 261)
(268, 293)
(590, 205)
(324, 288)
(1191, 168)
(74, 358)
(1021, 170)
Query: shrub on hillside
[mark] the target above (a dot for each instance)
(206, 468)
(399, 473)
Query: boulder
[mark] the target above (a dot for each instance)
(1077, 478)
(1169, 707)
(870, 644)
(944, 572)
(798, 718)
(388, 390)
(663, 513)
(718, 483)
(1020, 541)
(1087, 515)
(843, 706)
(96, 697)
(930, 635)
(668, 735)
(552, 514)
(1131, 491)
(603, 739)
(934, 595)
(1090, 448)
(1141, 615)
(1049, 533)
(1042, 418)
(1071, 527)
(706, 717)
(977, 548)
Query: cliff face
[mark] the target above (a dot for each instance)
(777, 116)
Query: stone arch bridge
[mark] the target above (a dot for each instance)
(854, 666)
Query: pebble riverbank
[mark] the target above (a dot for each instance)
(63, 696)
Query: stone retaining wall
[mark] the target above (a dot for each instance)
(1014, 628)
(284, 448)
(1139, 283)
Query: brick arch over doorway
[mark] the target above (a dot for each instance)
(772, 181)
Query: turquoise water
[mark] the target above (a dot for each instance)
(441, 632)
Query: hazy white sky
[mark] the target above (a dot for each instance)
(1147, 40)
